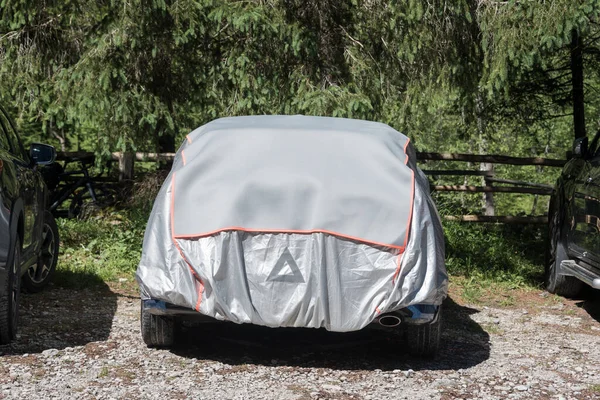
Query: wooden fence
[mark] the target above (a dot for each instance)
(489, 181)
(126, 163)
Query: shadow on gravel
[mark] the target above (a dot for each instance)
(590, 302)
(464, 344)
(77, 309)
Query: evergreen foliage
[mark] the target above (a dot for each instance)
(460, 75)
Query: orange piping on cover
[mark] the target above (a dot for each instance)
(378, 310)
(410, 214)
(405, 153)
(398, 267)
(188, 139)
(201, 285)
(183, 156)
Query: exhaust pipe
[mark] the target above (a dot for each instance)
(389, 321)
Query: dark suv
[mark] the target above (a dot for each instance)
(28, 233)
(573, 256)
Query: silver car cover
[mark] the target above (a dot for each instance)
(294, 221)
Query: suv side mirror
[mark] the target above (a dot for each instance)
(580, 147)
(42, 154)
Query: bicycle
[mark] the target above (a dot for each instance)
(74, 191)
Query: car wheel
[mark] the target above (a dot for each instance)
(9, 300)
(424, 340)
(157, 330)
(39, 274)
(556, 253)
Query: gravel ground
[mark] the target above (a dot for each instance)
(87, 345)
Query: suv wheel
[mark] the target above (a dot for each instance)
(424, 340)
(157, 330)
(9, 299)
(39, 274)
(556, 253)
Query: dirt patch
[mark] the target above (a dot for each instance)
(98, 349)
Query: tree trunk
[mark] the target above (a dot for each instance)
(166, 144)
(577, 82)
(61, 136)
(126, 165)
(488, 197)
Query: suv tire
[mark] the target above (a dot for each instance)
(556, 253)
(157, 330)
(39, 275)
(9, 301)
(424, 340)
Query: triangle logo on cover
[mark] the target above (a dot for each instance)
(295, 276)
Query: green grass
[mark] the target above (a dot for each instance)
(492, 329)
(104, 247)
(508, 254)
(107, 244)
(487, 262)
(103, 372)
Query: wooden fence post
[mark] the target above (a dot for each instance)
(125, 166)
(488, 197)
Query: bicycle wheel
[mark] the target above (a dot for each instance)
(84, 205)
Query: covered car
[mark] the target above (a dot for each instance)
(295, 221)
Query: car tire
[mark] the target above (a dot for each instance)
(39, 275)
(9, 300)
(424, 340)
(556, 253)
(157, 330)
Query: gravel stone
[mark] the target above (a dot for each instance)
(87, 345)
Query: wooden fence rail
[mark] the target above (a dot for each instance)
(503, 219)
(491, 159)
(126, 162)
(489, 180)
(492, 189)
(117, 155)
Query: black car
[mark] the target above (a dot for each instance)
(573, 256)
(28, 233)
